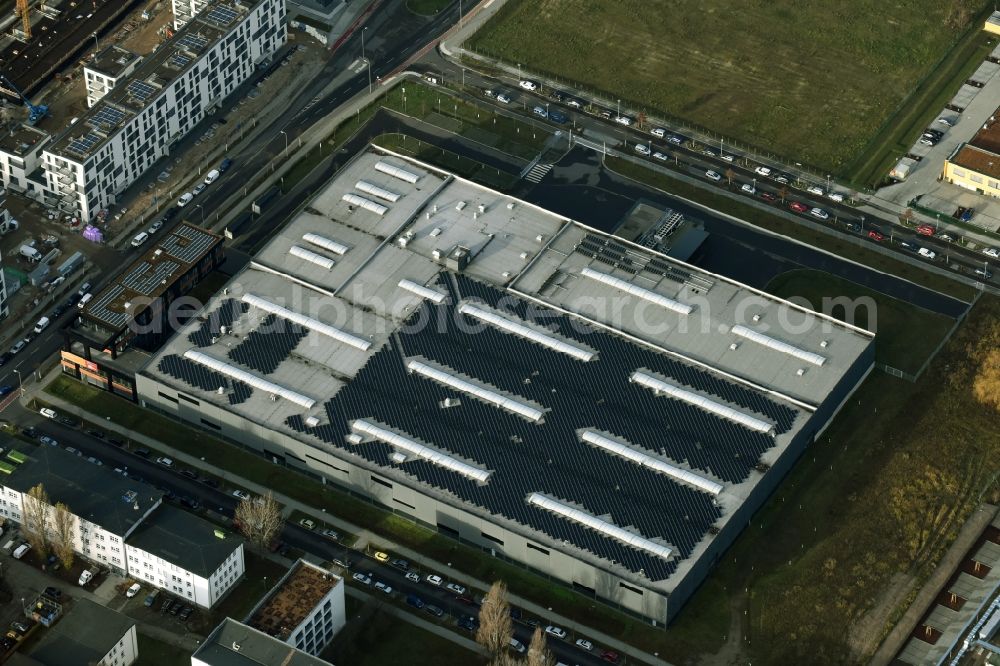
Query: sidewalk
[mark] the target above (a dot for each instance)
(365, 537)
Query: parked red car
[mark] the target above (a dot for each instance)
(925, 230)
(799, 207)
(768, 197)
(610, 656)
(876, 236)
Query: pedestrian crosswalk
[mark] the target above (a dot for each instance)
(538, 172)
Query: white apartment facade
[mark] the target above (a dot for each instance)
(20, 156)
(196, 588)
(185, 10)
(124, 652)
(137, 122)
(111, 65)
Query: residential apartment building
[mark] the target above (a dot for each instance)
(186, 556)
(305, 609)
(168, 93)
(124, 525)
(21, 159)
(4, 219)
(89, 635)
(104, 72)
(185, 10)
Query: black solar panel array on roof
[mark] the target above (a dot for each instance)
(225, 314)
(548, 457)
(265, 348)
(198, 376)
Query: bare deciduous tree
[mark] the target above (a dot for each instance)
(730, 174)
(538, 651)
(36, 516)
(63, 534)
(495, 628)
(259, 519)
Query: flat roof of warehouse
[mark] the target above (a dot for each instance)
(532, 415)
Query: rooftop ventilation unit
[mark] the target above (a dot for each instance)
(523, 331)
(603, 526)
(653, 463)
(484, 394)
(396, 172)
(243, 376)
(420, 451)
(311, 257)
(376, 191)
(778, 345)
(432, 295)
(702, 402)
(367, 204)
(326, 243)
(645, 294)
(312, 422)
(308, 322)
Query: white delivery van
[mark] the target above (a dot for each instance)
(42, 324)
(83, 301)
(85, 577)
(31, 253)
(212, 176)
(21, 550)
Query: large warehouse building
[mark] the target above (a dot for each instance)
(559, 397)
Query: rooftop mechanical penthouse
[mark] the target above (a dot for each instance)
(556, 396)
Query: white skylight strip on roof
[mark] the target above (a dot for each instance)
(646, 460)
(419, 450)
(635, 290)
(308, 322)
(325, 243)
(602, 526)
(702, 402)
(396, 172)
(367, 204)
(523, 331)
(311, 257)
(778, 345)
(423, 292)
(376, 191)
(483, 393)
(253, 380)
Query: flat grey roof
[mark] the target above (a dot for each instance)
(83, 636)
(185, 540)
(94, 492)
(233, 643)
(527, 265)
(112, 60)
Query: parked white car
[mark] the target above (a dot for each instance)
(748, 188)
(642, 149)
(926, 253)
(140, 238)
(762, 171)
(558, 632)
(528, 85)
(815, 189)
(185, 199)
(47, 412)
(711, 175)
(133, 590)
(819, 213)
(434, 580)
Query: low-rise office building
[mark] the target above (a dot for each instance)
(123, 524)
(233, 643)
(108, 506)
(187, 556)
(139, 308)
(88, 635)
(975, 165)
(468, 360)
(137, 122)
(305, 609)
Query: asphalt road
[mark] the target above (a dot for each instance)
(222, 502)
(697, 160)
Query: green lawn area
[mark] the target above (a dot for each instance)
(427, 7)
(813, 81)
(841, 245)
(905, 335)
(154, 652)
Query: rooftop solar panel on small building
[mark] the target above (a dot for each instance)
(222, 15)
(109, 116)
(193, 42)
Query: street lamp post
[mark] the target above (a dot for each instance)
(285, 154)
(202, 214)
(619, 109)
(368, 63)
(20, 383)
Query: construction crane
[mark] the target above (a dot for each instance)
(22, 11)
(35, 113)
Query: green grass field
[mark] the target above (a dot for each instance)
(905, 335)
(813, 81)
